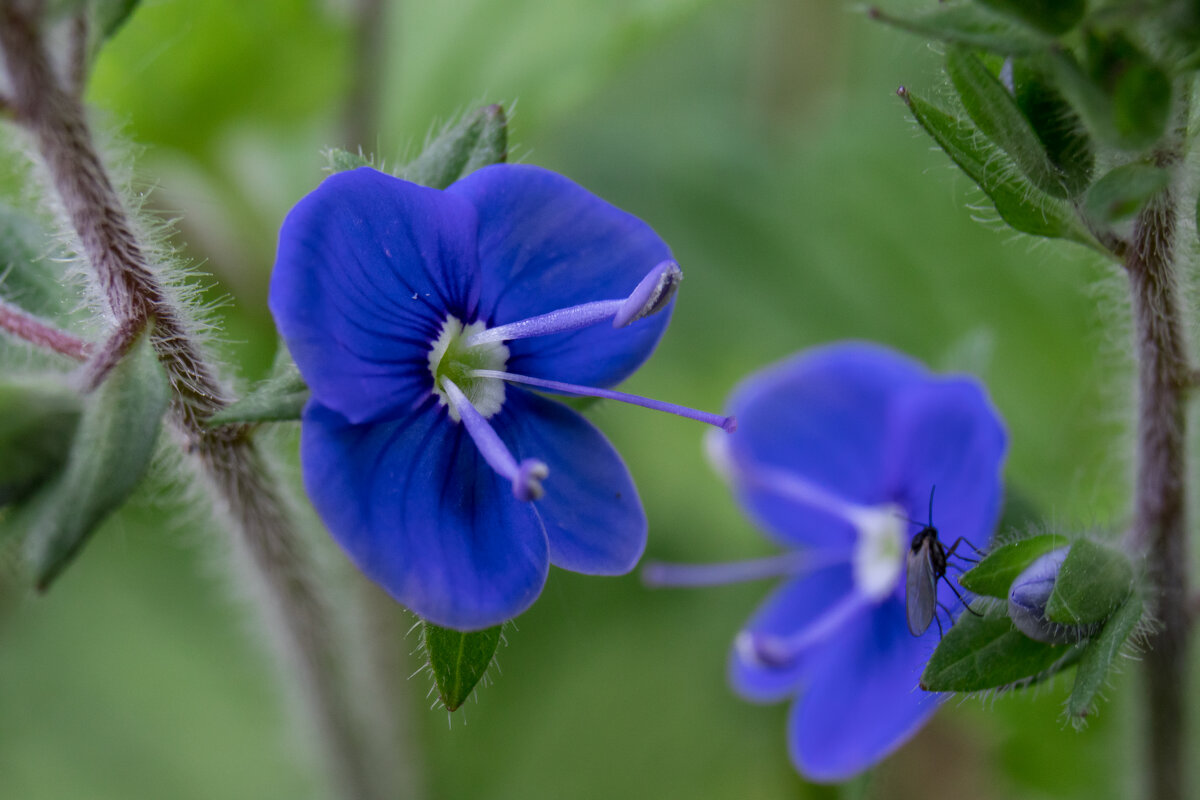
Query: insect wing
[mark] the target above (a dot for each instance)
(920, 589)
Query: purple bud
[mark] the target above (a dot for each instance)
(1027, 598)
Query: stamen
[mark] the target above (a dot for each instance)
(650, 296)
(728, 424)
(526, 477)
(782, 651)
(787, 484)
(658, 574)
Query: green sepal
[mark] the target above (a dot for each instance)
(112, 449)
(340, 160)
(278, 398)
(1123, 192)
(996, 113)
(479, 139)
(994, 574)
(967, 24)
(988, 652)
(458, 660)
(1056, 124)
(1018, 202)
(1054, 17)
(1128, 105)
(38, 418)
(1092, 583)
(1102, 651)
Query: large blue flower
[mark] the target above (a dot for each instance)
(416, 316)
(837, 450)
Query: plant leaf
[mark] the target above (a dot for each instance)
(112, 449)
(988, 652)
(1092, 582)
(995, 111)
(1056, 124)
(38, 417)
(1129, 111)
(1019, 203)
(279, 398)
(478, 140)
(458, 660)
(994, 574)
(1097, 660)
(1054, 17)
(1123, 192)
(967, 24)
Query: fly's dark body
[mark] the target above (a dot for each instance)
(926, 561)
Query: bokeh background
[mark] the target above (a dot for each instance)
(763, 140)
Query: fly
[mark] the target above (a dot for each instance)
(927, 558)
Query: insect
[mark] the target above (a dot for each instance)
(927, 559)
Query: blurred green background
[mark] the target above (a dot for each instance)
(764, 142)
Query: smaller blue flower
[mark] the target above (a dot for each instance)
(837, 450)
(423, 321)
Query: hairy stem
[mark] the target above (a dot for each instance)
(228, 463)
(23, 325)
(1160, 513)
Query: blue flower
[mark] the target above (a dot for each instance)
(837, 451)
(418, 317)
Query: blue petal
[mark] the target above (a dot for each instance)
(863, 702)
(821, 416)
(546, 243)
(415, 506)
(945, 433)
(593, 516)
(368, 268)
(789, 610)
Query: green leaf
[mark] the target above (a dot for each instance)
(1054, 17)
(1127, 105)
(1056, 123)
(110, 15)
(38, 416)
(1123, 192)
(1018, 202)
(1101, 652)
(279, 398)
(995, 111)
(111, 452)
(988, 652)
(994, 574)
(458, 660)
(478, 140)
(969, 25)
(1092, 582)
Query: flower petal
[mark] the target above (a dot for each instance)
(822, 417)
(546, 243)
(593, 515)
(946, 433)
(368, 268)
(790, 609)
(415, 506)
(863, 702)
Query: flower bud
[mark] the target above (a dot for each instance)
(1028, 596)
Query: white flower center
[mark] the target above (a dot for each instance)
(450, 357)
(879, 552)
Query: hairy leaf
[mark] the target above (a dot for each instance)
(967, 24)
(1097, 660)
(478, 140)
(38, 416)
(1019, 203)
(993, 575)
(1054, 17)
(111, 451)
(988, 652)
(1092, 583)
(995, 111)
(458, 660)
(1123, 192)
